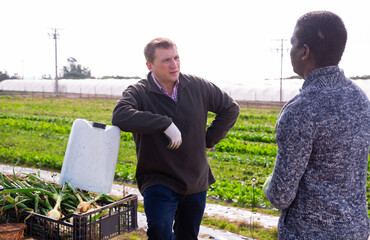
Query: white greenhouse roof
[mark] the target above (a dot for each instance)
(265, 90)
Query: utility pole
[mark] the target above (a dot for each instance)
(55, 36)
(22, 70)
(281, 65)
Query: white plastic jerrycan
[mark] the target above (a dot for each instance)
(91, 156)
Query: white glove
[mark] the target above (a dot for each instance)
(211, 149)
(174, 135)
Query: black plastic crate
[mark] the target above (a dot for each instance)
(120, 217)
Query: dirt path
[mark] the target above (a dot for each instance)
(231, 213)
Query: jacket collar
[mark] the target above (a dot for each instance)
(183, 82)
(325, 77)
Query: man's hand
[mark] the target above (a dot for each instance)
(174, 135)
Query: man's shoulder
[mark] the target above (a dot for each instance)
(300, 106)
(299, 101)
(193, 80)
(141, 84)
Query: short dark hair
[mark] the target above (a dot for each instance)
(149, 49)
(325, 34)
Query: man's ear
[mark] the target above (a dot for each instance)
(306, 52)
(149, 65)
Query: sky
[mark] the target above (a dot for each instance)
(226, 42)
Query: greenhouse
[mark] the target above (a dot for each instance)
(265, 90)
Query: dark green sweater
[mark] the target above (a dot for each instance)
(146, 112)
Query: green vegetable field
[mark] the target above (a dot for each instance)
(34, 132)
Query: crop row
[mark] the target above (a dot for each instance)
(56, 120)
(35, 125)
(234, 145)
(250, 116)
(252, 136)
(245, 159)
(253, 128)
(39, 123)
(263, 117)
(240, 193)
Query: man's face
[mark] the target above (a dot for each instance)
(296, 54)
(166, 65)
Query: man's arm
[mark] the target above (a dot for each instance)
(294, 133)
(227, 112)
(128, 116)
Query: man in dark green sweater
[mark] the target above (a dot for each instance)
(167, 115)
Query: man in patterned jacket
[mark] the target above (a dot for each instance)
(323, 138)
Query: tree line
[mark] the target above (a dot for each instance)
(73, 70)
(4, 75)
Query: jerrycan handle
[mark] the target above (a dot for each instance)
(99, 125)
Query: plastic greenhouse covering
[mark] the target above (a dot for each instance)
(264, 90)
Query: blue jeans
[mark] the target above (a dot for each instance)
(163, 206)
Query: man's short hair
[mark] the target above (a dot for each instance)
(325, 34)
(156, 43)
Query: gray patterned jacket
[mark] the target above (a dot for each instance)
(319, 179)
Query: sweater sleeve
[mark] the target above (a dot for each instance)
(294, 133)
(129, 117)
(227, 112)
